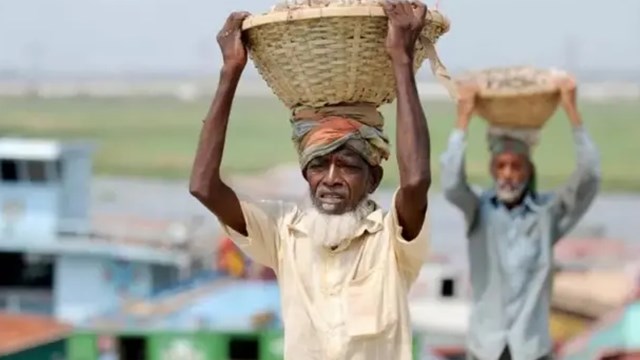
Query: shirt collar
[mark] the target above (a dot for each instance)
(528, 203)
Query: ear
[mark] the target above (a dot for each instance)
(376, 173)
(306, 179)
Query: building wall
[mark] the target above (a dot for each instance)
(430, 281)
(80, 289)
(28, 214)
(162, 277)
(126, 278)
(76, 185)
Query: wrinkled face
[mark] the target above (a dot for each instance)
(511, 173)
(340, 181)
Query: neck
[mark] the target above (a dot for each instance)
(515, 203)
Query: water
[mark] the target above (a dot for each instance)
(611, 216)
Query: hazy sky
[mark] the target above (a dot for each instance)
(179, 35)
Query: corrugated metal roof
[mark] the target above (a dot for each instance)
(231, 307)
(19, 332)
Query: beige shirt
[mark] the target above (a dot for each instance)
(349, 304)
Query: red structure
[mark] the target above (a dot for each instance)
(232, 261)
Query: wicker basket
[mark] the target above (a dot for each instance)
(516, 97)
(317, 56)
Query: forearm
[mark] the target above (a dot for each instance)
(453, 176)
(462, 120)
(412, 133)
(586, 152)
(575, 118)
(413, 153)
(576, 196)
(205, 176)
(452, 162)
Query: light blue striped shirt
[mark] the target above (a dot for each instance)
(510, 251)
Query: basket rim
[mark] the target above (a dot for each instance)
(541, 89)
(332, 11)
(506, 93)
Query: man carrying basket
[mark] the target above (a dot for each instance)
(512, 229)
(343, 265)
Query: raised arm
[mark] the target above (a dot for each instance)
(454, 179)
(206, 184)
(406, 21)
(249, 225)
(574, 198)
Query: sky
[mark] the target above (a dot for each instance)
(169, 36)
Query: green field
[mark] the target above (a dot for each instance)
(157, 137)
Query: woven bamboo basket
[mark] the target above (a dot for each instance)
(515, 97)
(331, 54)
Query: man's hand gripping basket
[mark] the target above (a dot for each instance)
(328, 52)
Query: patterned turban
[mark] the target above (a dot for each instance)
(321, 131)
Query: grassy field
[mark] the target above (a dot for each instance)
(157, 137)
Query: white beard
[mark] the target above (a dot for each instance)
(336, 231)
(508, 193)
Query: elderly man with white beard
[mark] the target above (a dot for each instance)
(344, 266)
(512, 228)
